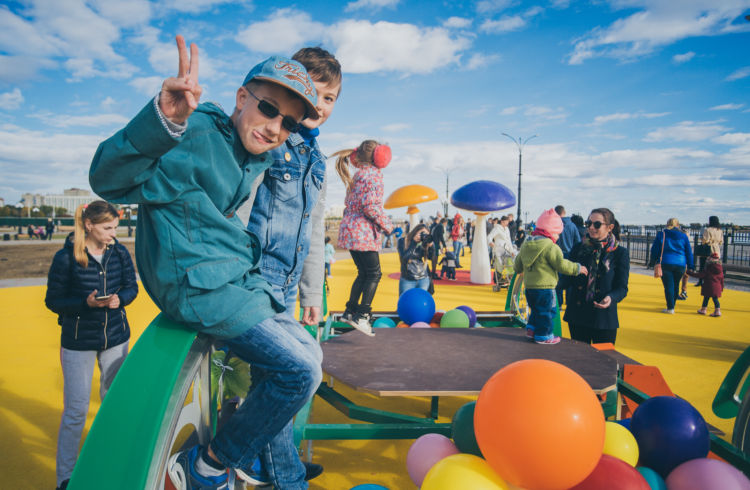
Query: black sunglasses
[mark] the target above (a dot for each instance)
(271, 111)
(597, 224)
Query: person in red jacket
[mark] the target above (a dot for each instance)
(712, 277)
(362, 225)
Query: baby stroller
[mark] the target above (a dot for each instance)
(502, 270)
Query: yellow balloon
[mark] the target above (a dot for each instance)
(463, 471)
(620, 443)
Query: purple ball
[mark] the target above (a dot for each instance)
(420, 325)
(669, 431)
(470, 313)
(706, 473)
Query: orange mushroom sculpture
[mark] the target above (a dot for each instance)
(410, 196)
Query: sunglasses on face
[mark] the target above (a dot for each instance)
(271, 111)
(595, 224)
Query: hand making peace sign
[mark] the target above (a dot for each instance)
(180, 95)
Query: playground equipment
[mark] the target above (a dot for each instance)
(410, 196)
(162, 397)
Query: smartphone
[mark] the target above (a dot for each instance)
(103, 297)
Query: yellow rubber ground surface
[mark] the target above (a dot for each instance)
(693, 352)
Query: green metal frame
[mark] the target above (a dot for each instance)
(728, 399)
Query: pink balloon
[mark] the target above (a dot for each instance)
(425, 452)
(702, 473)
(420, 325)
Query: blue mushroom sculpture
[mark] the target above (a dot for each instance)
(482, 197)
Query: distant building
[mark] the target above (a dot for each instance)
(2, 202)
(70, 199)
(335, 211)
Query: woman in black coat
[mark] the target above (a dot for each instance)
(591, 311)
(90, 282)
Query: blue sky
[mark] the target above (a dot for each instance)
(642, 106)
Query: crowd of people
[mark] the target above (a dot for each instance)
(236, 203)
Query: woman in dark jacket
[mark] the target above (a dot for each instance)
(591, 312)
(90, 282)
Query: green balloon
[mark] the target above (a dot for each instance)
(463, 430)
(455, 319)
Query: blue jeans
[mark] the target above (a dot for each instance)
(671, 277)
(543, 306)
(406, 284)
(286, 295)
(457, 246)
(286, 371)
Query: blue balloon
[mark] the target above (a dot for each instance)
(384, 322)
(416, 305)
(669, 431)
(652, 478)
(624, 422)
(369, 486)
(470, 313)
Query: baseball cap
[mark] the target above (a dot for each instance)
(289, 74)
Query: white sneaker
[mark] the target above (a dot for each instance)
(668, 311)
(361, 323)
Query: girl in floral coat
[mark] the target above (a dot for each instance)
(362, 225)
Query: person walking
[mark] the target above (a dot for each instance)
(671, 249)
(362, 224)
(713, 283)
(457, 235)
(90, 282)
(711, 243)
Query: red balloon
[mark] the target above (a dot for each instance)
(613, 474)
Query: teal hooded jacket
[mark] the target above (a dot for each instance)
(196, 259)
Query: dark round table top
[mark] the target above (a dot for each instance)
(450, 361)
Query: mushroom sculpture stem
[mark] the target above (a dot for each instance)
(480, 259)
(413, 213)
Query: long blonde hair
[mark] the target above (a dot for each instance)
(358, 157)
(96, 212)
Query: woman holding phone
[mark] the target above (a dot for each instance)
(90, 282)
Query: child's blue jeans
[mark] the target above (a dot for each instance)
(286, 371)
(543, 306)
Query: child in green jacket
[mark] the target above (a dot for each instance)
(541, 260)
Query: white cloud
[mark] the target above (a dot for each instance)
(738, 74)
(727, 107)
(395, 127)
(490, 6)
(11, 100)
(92, 121)
(657, 24)
(108, 103)
(504, 24)
(622, 116)
(197, 6)
(509, 111)
(679, 59)
(734, 139)
(363, 47)
(686, 131)
(124, 13)
(478, 60)
(148, 86)
(457, 23)
(65, 31)
(370, 4)
(284, 31)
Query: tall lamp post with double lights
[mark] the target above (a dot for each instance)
(447, 172)
(520, 142)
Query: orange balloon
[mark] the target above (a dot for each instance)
(434, 325)
(402, 325)
(539, 425)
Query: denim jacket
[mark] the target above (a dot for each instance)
(287, 215)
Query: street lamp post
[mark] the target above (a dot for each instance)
(520, 142)
(447, 173)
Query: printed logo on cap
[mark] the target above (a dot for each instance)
(294, 74)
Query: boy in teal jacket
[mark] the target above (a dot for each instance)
(189, 167)
(540, 260)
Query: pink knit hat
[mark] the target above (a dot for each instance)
(550, 222)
